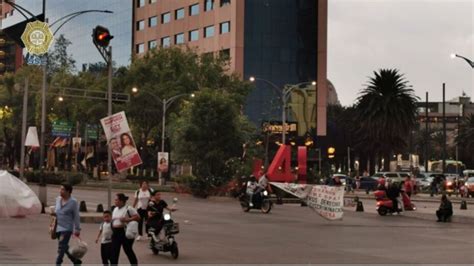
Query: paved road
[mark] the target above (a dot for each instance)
(217, 231)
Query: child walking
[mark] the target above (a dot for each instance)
(105, 230)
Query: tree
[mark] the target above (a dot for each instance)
(165, 73)
(465, 140)
(210, 134)
(59, 61)
(386, 112)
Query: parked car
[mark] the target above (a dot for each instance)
(396, 177)
(343, 178)
(368, 183)
(469, 185)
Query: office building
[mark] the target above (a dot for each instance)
(282, 41)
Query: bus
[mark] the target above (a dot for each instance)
(452, 167)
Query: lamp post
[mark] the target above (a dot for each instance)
(165, 103)
(284, 95)
(470, 62)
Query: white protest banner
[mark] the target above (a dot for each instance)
(120, 140)
(298, 190)
(32, 137)
(327, 201)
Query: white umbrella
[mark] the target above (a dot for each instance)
(16, 198)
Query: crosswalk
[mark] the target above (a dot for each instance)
(8, 257)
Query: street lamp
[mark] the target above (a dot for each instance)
(165, 103)
(470, 62)
(284, 95)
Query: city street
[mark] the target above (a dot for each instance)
(216, 231)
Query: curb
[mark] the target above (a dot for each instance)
(470, 201)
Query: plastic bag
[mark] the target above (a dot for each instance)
(131, 231)
(78, 248)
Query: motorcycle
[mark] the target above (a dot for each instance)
(164, 241)
(260, 201)
(385, 205)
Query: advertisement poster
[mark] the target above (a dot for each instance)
(163, 162)
(120, 141)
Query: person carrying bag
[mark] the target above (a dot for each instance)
(124, 218)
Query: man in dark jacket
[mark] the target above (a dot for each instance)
(445, 210)
(393, 192)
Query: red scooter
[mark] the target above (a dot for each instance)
(385, 205)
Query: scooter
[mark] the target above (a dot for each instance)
(260, 201)
(164, 241)
(385, 205)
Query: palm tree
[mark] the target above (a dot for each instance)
(465, 139)
(386, 113)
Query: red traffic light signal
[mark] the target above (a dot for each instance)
(101, 36)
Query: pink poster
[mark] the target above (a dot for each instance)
(120, 141)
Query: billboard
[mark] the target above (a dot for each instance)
(120, 141)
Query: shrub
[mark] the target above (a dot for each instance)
(58, 178)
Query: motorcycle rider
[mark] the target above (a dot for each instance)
(155, 212)
(251, 188)
(261, 186)
(393, 192)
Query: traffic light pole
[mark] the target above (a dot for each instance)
(109, 113)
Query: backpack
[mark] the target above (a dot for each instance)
(150, 190)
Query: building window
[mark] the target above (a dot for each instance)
(179, 38)
(179, 13)
(224, 27)
(225, 2)
(225, 54)
(140, 25)
(140, 48)
(165, 42)
(153, 21)
(152, 1)
(194, 35)
(152, 44)
(194, 10)
(208, 31)
(209, 5)
(140, 3)
(165, 18)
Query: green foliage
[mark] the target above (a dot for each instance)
(210, 134)
(386, 113)
(73, 178)
(59, 61)
(465, 140)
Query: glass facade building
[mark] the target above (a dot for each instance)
(79, 30)
(280, 45)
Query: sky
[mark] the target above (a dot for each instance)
(414, 36)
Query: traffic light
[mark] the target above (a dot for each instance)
(331, 152)
(101, 36)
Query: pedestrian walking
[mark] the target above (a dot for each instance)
(68, 223)
(122, 215)
(142, 197)
(105, 231)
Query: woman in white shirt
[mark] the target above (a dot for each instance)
(121, 215)
(142, 197)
